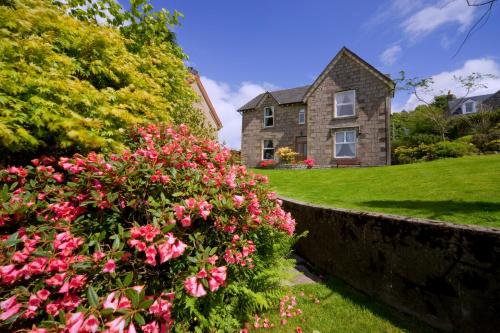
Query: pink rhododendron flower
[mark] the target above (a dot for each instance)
(238, 200)
(109, 266)
(111, 302)
(43, 294)
(193, 287)
(117, 325)
(179, 211)
(186, 222)
(151, 327)
(74, 321)
(91, 324)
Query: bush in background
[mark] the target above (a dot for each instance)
(287, 155)
(431, 152)
(166, 236)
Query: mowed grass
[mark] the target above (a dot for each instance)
(461, 190)
(342, 309)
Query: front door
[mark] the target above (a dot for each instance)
(301, 147)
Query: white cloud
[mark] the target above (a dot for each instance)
(432, 17)
(444, 82)
(227, 100)
(391, 9)
(390, 55)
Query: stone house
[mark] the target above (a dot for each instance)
(343, 118)
(204, 103)
(474, 104)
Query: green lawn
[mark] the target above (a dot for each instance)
(341, 309)
(461, 190)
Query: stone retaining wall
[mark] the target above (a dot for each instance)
(444, 274)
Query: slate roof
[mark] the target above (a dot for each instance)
(455, 103)
(285, 96)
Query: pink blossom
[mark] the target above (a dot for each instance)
(212, 260)
(151, 255)
(151, 327)
(173, 248)
(109, 266)
(131, 328)
(77, 282)
(98, 255)
(238, 200)
(10, 307)
(193, 287)
(56, 280)
(186, 222)
(52, 309)
(91, 324)
(179, 211)
(202, 274)
(43, 294)
(74, 322)
(190, 203)
(117, 325)
(58, 177)
(111, 302)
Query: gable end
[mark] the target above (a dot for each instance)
(346, 52)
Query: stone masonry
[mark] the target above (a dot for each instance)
(371, 120)
(283, 134)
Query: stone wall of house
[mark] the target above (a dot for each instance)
(444, 274)
(373, 108)
(284, 133)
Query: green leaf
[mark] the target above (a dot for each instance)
(12, 240)
(128, 279)
(146, 304)
(92, 297)
(168, 228)
(139, 319)
(133, 296)
(116, 243)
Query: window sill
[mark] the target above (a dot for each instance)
(345, 117)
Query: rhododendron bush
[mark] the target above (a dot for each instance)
(166, 237)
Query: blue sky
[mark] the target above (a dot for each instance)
(242, 48)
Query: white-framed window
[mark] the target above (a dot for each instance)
(267, 149)
(345, 144)
(345, 103)
(469, 107)
(302, 116)
(269, 116)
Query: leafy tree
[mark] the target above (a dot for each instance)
(69, 84)
(431, 117)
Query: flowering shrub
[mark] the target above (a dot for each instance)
(286, 154)
(167, 236)
(267, 164)
(309, 163)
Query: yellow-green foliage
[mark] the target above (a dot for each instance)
(286, 154)
(66, 83)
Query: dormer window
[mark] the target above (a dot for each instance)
(268, 116)
(345, 104)
(469, 107)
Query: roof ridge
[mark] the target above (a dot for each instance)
(304, 86)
